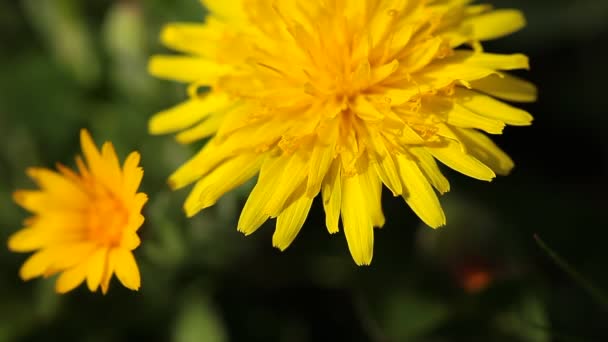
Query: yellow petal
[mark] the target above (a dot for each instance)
(186, 69)
(224, 178)
(107, 273)
(320, 161)
(357, 220)
(44, 202)
(456, 115)
(332, 197)
(199, 165)
(90, 151)
(380, 73)
(429, 167)
(462, 117)
(453, 156)
(484, 149)
(366, 110)
(420, 195)
(60, 222)
(371, 185)
(69, 255)
(132, 173)
(71, 278)
(202, 130)
(26, 240)
(135, 206)
(253, 214)
(286, 178)
(387, 171)
(96, 268)
(491, 108)
(130, 240)
(422, 55)
(493, 60)
(290, 221)
(35, 265)
(231, 10)
(496, 24)
(187, 113)
(507, 87)
(113, 172)
(399, 39)
(437, 76)
(192, 38)
(126, 268)
(62, 188)
(56, 257)
(463, 65)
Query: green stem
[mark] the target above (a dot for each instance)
(598, 295)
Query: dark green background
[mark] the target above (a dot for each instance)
(67, 64)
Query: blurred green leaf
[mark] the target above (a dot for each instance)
(61, 25)
(527, 321)
(23, 154)
(124, 34)
(405, 315)
(198, 321)
(169, 248)
(15, 318)
(47, 300)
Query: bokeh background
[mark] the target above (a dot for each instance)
(67, 64)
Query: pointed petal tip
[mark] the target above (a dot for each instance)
(435, 222)
(438, 225)
(173, 184)
(16, 243)
(153, 65)
(84, 133)
(506, 171)
(134, 287)
(19, 197)
(278, 245)
(191, 211)
(85, 137)
(244, 231)
(364, 262)
(167, 34)
(156, 126)
(60, 290)
(25, 275)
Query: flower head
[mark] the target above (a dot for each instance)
(339, 97)
(85, 224)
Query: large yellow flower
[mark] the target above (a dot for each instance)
(84, 225)
(340, 97)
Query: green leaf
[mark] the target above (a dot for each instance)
(526, 321)
(61, 26)
(197, 321)
(406, 314)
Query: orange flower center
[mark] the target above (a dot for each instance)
(107, 218)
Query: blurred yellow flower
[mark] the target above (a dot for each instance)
(84, 225)
(339, 97)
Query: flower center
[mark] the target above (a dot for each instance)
(107, 218)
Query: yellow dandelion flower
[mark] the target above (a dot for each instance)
(85, 224)
(339, 97)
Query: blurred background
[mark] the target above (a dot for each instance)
(67, 64)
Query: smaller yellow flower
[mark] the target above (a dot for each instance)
(84, 225)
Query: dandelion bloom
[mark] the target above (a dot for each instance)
(85, 224)
(339, 97)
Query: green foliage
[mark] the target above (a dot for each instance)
(68, 64)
